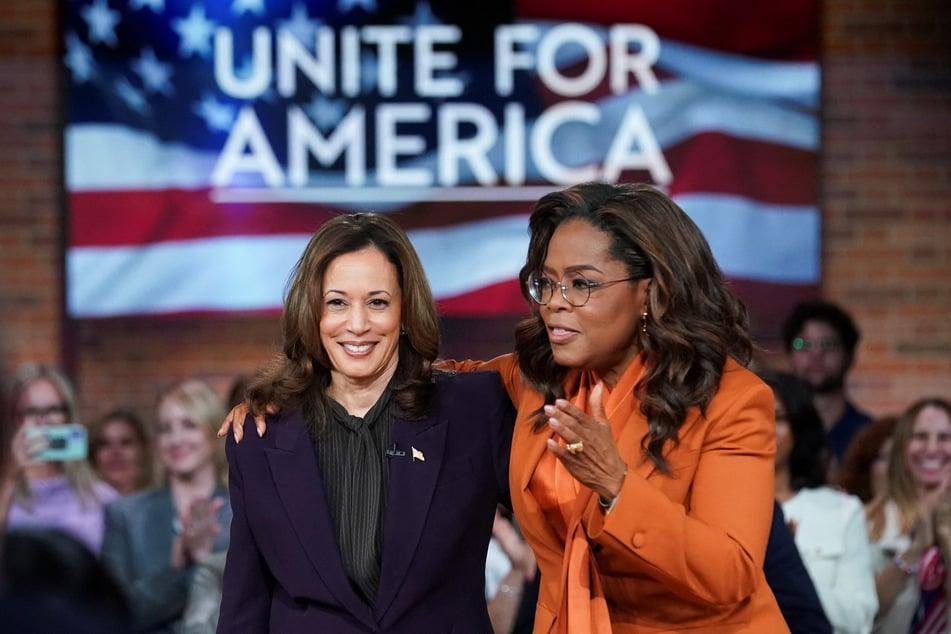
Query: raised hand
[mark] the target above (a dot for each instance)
(27, 444)
(200, 527)
(514, 547)
(589, 451)
(942, 522)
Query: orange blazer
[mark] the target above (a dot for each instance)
(677, 552)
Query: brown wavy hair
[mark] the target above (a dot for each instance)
(695, 321)
(302, 372)
(901, 486)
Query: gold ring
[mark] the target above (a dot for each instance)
(575, 447)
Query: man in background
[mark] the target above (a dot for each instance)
(820, 340)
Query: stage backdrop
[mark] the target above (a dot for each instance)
(205, 141)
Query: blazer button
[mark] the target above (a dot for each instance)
(638, 540)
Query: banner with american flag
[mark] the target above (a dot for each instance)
(205, 141)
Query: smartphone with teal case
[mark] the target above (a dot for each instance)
(66, 442)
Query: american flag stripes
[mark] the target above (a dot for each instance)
(204, 142)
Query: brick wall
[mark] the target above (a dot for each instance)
(885, 184)
(886, 191)
(30, 264)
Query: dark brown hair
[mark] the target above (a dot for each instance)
(809, 457)
(694, 323)
(302, 372)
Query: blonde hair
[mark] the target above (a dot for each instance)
(79, 472)
(207, 409)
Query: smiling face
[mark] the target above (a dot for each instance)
(929, 449)
(602, 334)
(360, 319)
(185, 446)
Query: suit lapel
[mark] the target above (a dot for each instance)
(300, 486)
(413, 480)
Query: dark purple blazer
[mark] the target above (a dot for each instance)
(284, 572)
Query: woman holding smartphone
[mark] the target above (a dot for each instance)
(48, 491)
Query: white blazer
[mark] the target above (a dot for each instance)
(833, 542)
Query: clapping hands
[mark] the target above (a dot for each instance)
(200, 527)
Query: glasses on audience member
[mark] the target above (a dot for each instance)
(51, 413)
(826, 344)
(575, 287)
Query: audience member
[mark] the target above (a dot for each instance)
(910, 527)
(864, 471)
(51, 583)
(121, 452)
(820, 340)
(156, 538)
(510, 571)
(50, 493)
(828, 525)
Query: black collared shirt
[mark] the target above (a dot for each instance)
(351, 452)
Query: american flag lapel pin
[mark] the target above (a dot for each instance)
(418, 455)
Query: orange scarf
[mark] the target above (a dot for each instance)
(584, 607)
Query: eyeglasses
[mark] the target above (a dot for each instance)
(51, 413)
(575, 287)
(826, 344)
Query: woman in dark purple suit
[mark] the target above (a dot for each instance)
(368, 505)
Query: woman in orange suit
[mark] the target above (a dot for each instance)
(642, 460)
